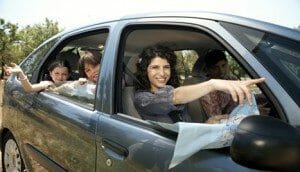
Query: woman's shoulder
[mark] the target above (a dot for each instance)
(161, 93)
(167, 88)
(142, 93)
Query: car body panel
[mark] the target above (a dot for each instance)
(50, 124)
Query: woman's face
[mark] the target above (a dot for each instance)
(59, 74)
(91, 72)
(158, 72)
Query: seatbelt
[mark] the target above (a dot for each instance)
(131, 74)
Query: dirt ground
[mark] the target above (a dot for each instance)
(1, 91)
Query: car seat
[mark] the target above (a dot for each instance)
(195, 110)
(128, 87)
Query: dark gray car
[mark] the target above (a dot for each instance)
(58, 132)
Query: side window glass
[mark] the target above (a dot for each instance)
(265, 107)
(82, 56)
(191, 68)
(279, 55)
(34, 59)
(185, 63)
(228, 69)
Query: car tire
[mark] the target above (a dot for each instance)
(11, 155)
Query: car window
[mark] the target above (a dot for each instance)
(185, 63)
(31, 63)
(190, 50)
(79, 88)
(279, 55)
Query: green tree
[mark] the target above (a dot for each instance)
(236, 68)
(8, 38)
(185, 62)
(32, 36)
(17, 43)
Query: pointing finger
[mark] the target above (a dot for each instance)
(254, 81)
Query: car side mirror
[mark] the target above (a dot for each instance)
(266, 143)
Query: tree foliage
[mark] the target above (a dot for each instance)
(17, 43)
(8, 37)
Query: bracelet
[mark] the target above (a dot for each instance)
(24, 79)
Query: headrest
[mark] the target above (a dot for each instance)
(130, 70)
(71, 56)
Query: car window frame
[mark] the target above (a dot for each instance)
(37, 57)
(63, 42)
(239, 32)
(118, 108)
(220, 40)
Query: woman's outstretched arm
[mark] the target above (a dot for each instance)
(238, 89)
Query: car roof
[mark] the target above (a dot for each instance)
(219, 17)
(222, 17)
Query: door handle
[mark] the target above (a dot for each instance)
(114, 149)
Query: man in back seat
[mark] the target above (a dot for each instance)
(217, 102)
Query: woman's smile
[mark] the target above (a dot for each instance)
(158, 73)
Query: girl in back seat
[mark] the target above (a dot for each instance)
(59, 72)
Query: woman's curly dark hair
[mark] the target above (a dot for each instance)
(145, 59)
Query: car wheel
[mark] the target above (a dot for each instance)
(11, 155)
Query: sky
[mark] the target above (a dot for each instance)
(72, 13)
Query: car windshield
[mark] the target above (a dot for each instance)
(280, 55)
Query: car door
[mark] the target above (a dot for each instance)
(60, 132)
(63, 134)
(121, 144)
(127, 143)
